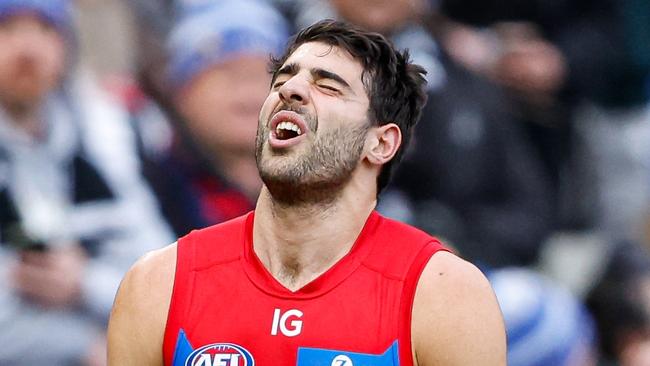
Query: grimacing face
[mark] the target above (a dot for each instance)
(313, 125)
(32, 59)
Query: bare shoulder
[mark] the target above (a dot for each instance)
(456, 317)
(150, 280)
(137, 324)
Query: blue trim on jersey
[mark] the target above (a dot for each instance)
(306, 356)
(326, 357)
(183, 349)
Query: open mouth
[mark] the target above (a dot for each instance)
(287, 130)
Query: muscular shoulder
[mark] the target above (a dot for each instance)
(456, 317)
(139, 315)
(151, 278)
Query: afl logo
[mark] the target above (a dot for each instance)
(220, 354)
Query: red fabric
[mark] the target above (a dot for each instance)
(219, 202)
(126, 90)
(223, 294)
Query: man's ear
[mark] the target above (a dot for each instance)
(384, 142)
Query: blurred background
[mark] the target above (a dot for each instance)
(127, 123)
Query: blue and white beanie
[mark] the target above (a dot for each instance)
(546, 325)
(211, 32)
(59, 13)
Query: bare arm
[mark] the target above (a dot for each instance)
(137, 325)
(456, 317)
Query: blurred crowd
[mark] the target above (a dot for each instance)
(126, 124)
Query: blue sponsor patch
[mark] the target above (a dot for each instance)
(326, 357)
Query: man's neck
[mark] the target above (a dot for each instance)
(297, 244)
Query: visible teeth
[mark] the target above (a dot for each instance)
(288, 126)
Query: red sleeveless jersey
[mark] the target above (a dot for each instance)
(228, 310)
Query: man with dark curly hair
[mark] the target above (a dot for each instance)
(315, 276)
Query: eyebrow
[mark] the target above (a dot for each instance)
(288, 69)
(292, 69)
(324, 74)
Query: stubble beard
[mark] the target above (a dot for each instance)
(316, 176)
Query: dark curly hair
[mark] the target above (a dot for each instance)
(395, 86)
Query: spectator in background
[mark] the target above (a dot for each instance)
(74, 212)
(546, 324)
(217, 75)
(474, 178)
(153, 20)
(581, 48)
(470, 177)
(621, 303)
(577, 70)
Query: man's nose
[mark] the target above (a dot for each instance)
(294, 91)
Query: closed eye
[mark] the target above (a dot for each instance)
(331, 88)
(278, 84)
